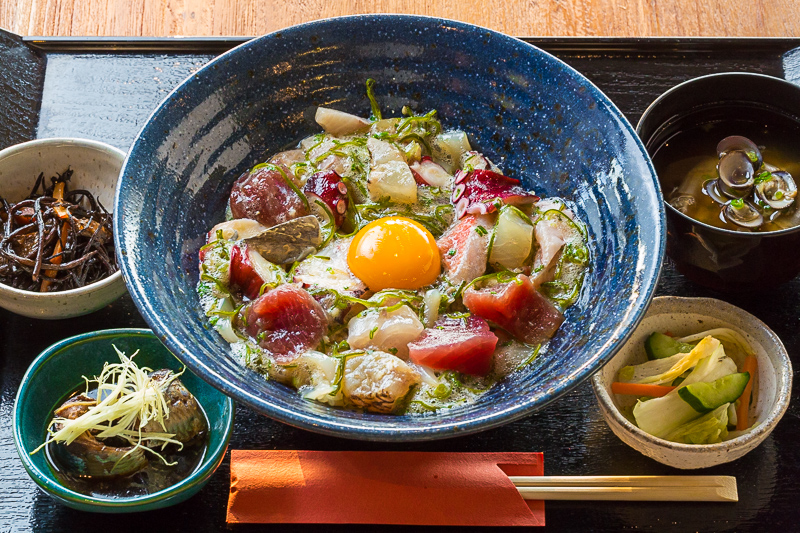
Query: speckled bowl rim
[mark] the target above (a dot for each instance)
(428, 429)
(214, 457)
(114, 278)
(681, 87)
(783, 380)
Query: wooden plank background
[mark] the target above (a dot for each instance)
(623, 18)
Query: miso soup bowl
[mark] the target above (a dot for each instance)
(58, 371)
(684, 316)
(722, 259)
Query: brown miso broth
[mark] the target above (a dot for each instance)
(687, 159)
(154, 477)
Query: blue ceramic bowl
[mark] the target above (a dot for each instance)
(59, 370)
(528, 111)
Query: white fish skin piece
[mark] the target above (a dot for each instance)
(377, 328)
(377, 381)
(340, 123)
(236, 229)
(389, 174)
(383, 152)
(550, 238)
(314, 377)
(328, 269)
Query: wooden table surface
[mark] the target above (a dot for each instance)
(587, 18)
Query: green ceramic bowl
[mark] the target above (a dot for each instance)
(59, 370)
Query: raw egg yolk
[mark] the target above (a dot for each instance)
(396, 253)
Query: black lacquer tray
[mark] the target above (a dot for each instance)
(106, 88)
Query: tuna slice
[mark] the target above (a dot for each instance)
(464, 249)
(286, 322)
(243, 275)
(265, 196)
(462, 344)
(518, 308)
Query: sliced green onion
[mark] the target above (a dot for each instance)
(376, 111)
(441, 392)
(531, 357)
(331, 225)
(339, 375)
(287, 179)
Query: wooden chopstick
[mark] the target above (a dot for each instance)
(630, 488)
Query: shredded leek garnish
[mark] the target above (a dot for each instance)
(504, 276)
(452, 377)
(379, 299)
(127, 400)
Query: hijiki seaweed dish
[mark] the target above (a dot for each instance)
(384, 265)
(56, 239)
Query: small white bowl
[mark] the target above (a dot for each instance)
(96, 168)
(684, 316)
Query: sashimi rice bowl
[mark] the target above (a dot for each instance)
(384, 265)
(383, 258)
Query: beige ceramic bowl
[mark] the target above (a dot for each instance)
(684, 316)
(96, 168)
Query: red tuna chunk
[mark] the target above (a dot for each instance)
(286, 322)
(462, 344)
(518, 308)
(265, 196)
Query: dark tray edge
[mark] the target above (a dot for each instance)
(682, 45)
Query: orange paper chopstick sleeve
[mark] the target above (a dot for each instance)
(410, 488)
